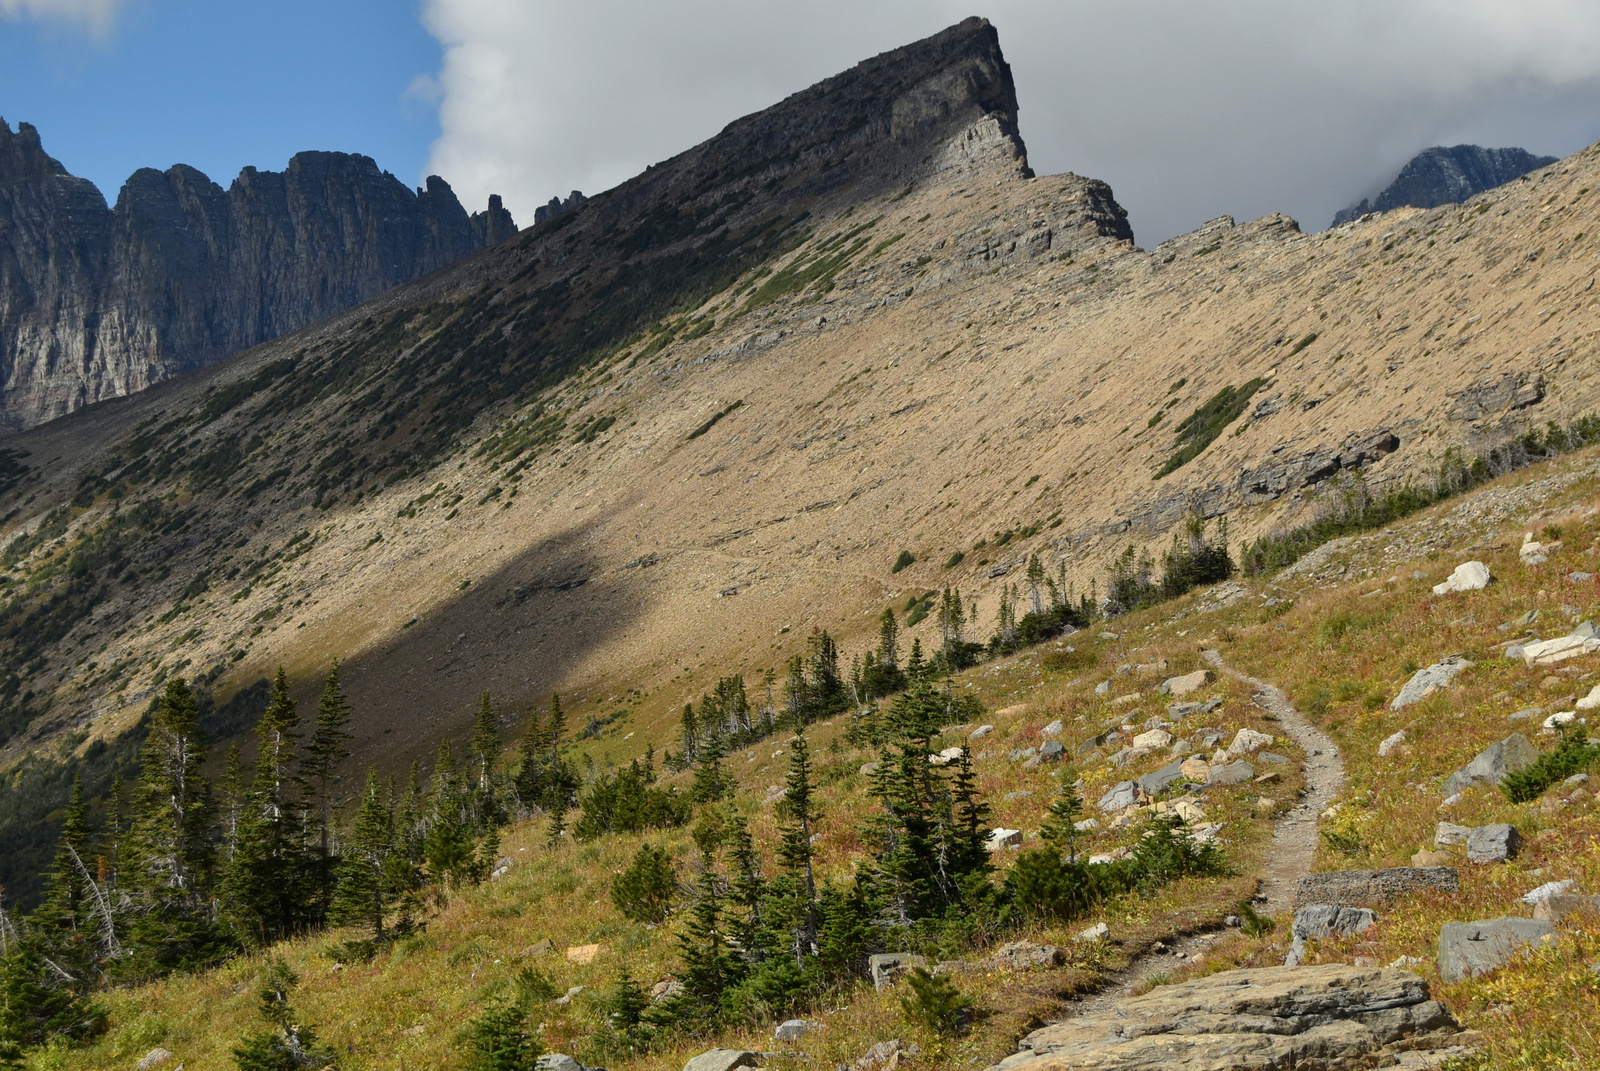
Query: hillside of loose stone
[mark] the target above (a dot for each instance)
(665, 436)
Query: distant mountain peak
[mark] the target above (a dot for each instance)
(1442, 176)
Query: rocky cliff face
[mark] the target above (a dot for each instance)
(97, 302)
(1441, 176)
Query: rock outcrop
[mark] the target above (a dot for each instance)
(98, 301)
(1442, 176)
(1332, 1017)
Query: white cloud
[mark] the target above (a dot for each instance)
(96, 16)
(1189, 109)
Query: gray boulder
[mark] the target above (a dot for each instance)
(1561, 906)
(723, 1060)
(1021, 955)
(153, 1059)
(1495, 843)
(558, 1061)
(1317, 921)
(1153, 784)
(887, 968)
(1119, 797)
(794, 1029)
(1449, 833)
(1235, 773)
(1506, 756)
(1470, 949)
(1424, 682)
(1329, 1016)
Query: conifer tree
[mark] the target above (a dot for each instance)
(710, 782)
(40, 1001)
(531, 762)
(292, 1044)
(799, 813)
(67, 910)
(372, 873)
(709, 966)
(325, 751)
(232, 804)
(170, 868)
(1061, 829)
(691, 735)
(269, 888)
(485, 745)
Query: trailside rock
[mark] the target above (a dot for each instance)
(1332, 1017)
(558, 1061)
(1098, 932)
(1468, 576)
(1352, 888)
(1235, 773)
(1247, 740)
(886, 968)
(1119, 797)
(1022, 955)
(1494, 843)
(1470, 949)
(1187, 684)
(723, 1060)
(1424, 682)
(1515, 752)
(1317, 921)
(794, 1029)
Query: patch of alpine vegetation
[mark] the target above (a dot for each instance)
(1200, 428)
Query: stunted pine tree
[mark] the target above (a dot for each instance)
(485, 744)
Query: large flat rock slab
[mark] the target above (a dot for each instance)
(1363, 888)
(1331, 1017)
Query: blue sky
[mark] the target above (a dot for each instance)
(220, 84)
(1190, 109)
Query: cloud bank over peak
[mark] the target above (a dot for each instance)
(1190, 110)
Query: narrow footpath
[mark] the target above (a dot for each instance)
(1294, 841)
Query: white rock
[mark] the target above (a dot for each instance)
(1088, 825)
(153, 1058)
(1001, 838)
(1547, 652)
(1098, 932)
(980, 732)
(1532, 551)
(1468, 576)
(945, 757)
(793, 1030)
(1247, 740)
(1560, 717)
(1053, 729)
(1590, 701)
(1152, 740)
(1546, 891)
(1391, 742)
(1103, 688)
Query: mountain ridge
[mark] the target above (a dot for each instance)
(98, 301)
(1440, 175)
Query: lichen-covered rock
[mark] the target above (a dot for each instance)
(1332, 1017)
